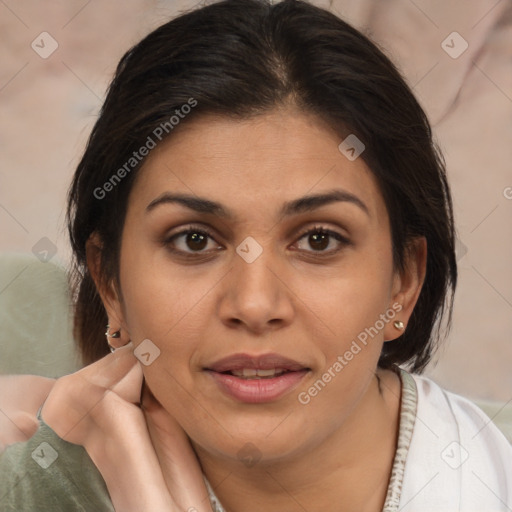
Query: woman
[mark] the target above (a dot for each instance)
(262, 221)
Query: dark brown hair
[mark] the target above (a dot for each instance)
(242, 58)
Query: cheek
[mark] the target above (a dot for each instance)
(167, 310)
(347, 303)
(347, 328)
(162, 301)
(159, 306)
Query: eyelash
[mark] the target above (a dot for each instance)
(201, 231)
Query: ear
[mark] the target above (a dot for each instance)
(108, 292)
(407, 285)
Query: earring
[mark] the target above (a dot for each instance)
(398, 325)
(116, 334)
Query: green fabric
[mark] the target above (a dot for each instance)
(500, 414)
(63, 480)
(36, 318)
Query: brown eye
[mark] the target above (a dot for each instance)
(196, 241)
(319, 239)
(190, 241)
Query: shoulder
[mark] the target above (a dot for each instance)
(21, 396)
(457, 457)
(456, 409)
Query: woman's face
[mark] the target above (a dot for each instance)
(257, 284)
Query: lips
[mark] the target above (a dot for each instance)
(239, 362)
(256, 379)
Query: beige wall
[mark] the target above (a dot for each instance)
(48, 106)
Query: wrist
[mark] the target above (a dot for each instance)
(134, 480)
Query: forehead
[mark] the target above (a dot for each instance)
(255, 165)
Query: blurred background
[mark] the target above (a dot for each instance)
(57, 58)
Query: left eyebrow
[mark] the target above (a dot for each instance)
(312, 202)
(301, 205)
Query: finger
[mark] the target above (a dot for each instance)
(128, 386)
(111, 369)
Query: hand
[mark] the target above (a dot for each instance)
(177, 458)
(98, 408)
(21, 397)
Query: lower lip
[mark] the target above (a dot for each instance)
(257, 391)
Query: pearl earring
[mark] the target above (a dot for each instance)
(398, 325)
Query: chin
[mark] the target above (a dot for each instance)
(270, 443)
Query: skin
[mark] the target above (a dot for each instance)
(20, 399)
(290, 300)
(324, 455)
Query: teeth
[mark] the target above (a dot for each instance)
(254, 373)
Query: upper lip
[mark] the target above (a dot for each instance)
(258, 362)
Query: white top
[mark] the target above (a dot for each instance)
(458, 459)
(450, 457)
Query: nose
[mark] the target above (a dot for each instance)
(256, 295)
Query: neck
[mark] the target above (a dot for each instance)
(348, 470)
